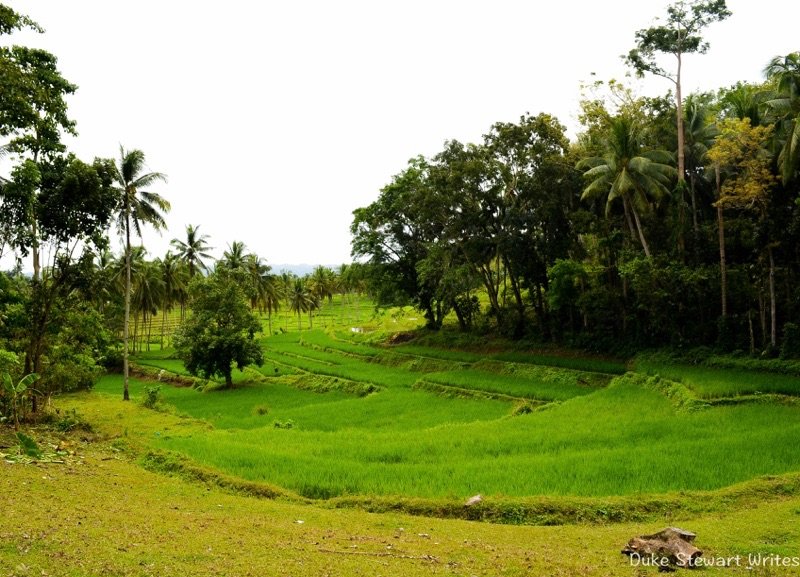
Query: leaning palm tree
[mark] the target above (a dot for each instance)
(137, 207)
(193, 250)
(629, 173)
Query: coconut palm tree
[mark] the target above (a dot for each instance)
(137, 207)
(300, 300)
(271, 297)
(235, 257)
(174, 276)
(784, 107)
(257, 273)
(699, 132)
(628, 172)
(148, 294)
(193, 250)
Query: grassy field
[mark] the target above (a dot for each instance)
(98, 512)
(346, 436)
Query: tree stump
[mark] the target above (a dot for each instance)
(665, 549)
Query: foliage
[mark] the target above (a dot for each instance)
(790, 347)
(28, 446)
(221, 330)
(14, 397)
(784, 107)
(152, 394)
(740, 149)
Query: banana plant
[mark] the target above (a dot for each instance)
(18, 394)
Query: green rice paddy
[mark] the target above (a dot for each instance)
(330, 415)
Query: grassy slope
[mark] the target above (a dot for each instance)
(101, 514)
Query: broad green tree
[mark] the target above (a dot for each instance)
(740, 152)
(137, 207)
(220, 332)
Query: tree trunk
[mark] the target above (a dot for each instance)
(773, 332)
(126, 325)
(695, 225)
(641, 232)
(679, 110)
(34, 229)
(163, 326)
(762, 313)
(628, 218)
(723, 271)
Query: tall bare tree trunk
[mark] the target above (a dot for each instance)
(723, 271)
(681, 140)
(773, 332)
(126, 327)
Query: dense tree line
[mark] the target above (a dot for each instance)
(643, 232)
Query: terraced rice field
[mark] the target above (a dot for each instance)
(327, 416)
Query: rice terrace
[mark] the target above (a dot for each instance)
(550, 350)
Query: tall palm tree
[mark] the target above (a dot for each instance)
(300, 300)
(175, 279)
(784, 107)
(257, 274)
(699, 132)
(235, 257)
(629, 173)
(137, 207)
(272, 295)
(193, 250)
(148, 294)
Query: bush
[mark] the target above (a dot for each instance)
(72, 421)
(260, 410)
(790, 347)
(152, 394)
(112, 361)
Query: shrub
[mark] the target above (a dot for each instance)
(260, 410)
(790, 348)
(152, 393)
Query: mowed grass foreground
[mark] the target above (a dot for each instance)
(451, 424)
(99, 513)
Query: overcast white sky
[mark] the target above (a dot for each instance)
(275, 120)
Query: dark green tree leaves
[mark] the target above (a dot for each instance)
(220, 332)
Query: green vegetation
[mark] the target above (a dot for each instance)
(537, 267)
(367, 421)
